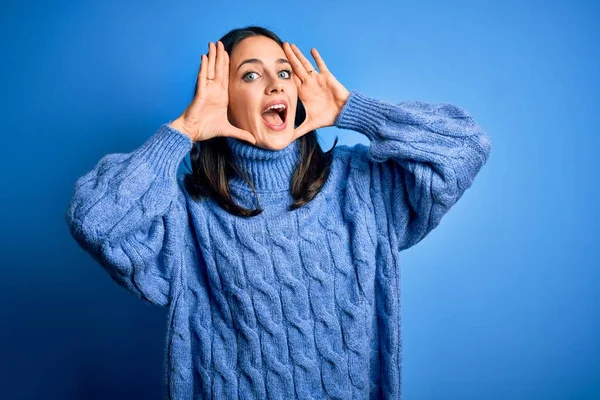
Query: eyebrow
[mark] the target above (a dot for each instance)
(257, 61)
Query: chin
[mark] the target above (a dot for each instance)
(272, 146)
(274, 140)
(275, 143)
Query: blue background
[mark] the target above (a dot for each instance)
(499, 302)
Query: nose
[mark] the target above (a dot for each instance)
(275, 85)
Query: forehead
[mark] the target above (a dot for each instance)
(259, 47)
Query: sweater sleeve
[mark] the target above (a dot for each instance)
(422, 158)
(129, 213)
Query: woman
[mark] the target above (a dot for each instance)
(298, 297)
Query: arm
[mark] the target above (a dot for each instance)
(422, 158)
(129, 213)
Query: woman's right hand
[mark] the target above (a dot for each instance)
(206, 115)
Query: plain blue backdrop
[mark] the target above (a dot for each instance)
(501, 301)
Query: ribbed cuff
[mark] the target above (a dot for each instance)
(362, 114)
(165, 150)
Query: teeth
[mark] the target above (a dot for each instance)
(276, 107)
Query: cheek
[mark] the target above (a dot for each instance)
(241, 109)
(292, 87)
(236, 103)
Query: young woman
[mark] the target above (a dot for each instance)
(279, 262)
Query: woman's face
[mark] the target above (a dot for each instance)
(259, 74)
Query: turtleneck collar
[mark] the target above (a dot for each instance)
(269, 170)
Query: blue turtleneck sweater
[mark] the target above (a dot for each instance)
(288, 304)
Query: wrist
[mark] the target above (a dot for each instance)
(179, 125)
(341, 102)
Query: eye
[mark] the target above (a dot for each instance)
(284, 73)
(248, 74)
(288, 72)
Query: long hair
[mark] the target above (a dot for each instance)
(213, 164)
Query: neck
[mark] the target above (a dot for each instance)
(269, 170)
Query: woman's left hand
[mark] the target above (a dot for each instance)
(322, 95)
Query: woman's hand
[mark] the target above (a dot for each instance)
(206, 116)
(322, 95)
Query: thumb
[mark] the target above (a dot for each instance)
(303, 129)
(241, 134)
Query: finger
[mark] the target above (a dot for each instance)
(211, 61)
(220, 64)
(203, 69)
(225, 69)
(307, 64)
(319, 60)
(297, 66)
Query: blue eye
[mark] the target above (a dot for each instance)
(286, 71)
(249, 73)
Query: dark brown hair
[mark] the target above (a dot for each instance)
(213, 164)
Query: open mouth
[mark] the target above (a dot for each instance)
(276, 115)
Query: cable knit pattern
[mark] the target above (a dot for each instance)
(288, 304)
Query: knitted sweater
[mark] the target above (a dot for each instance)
(288, 304)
